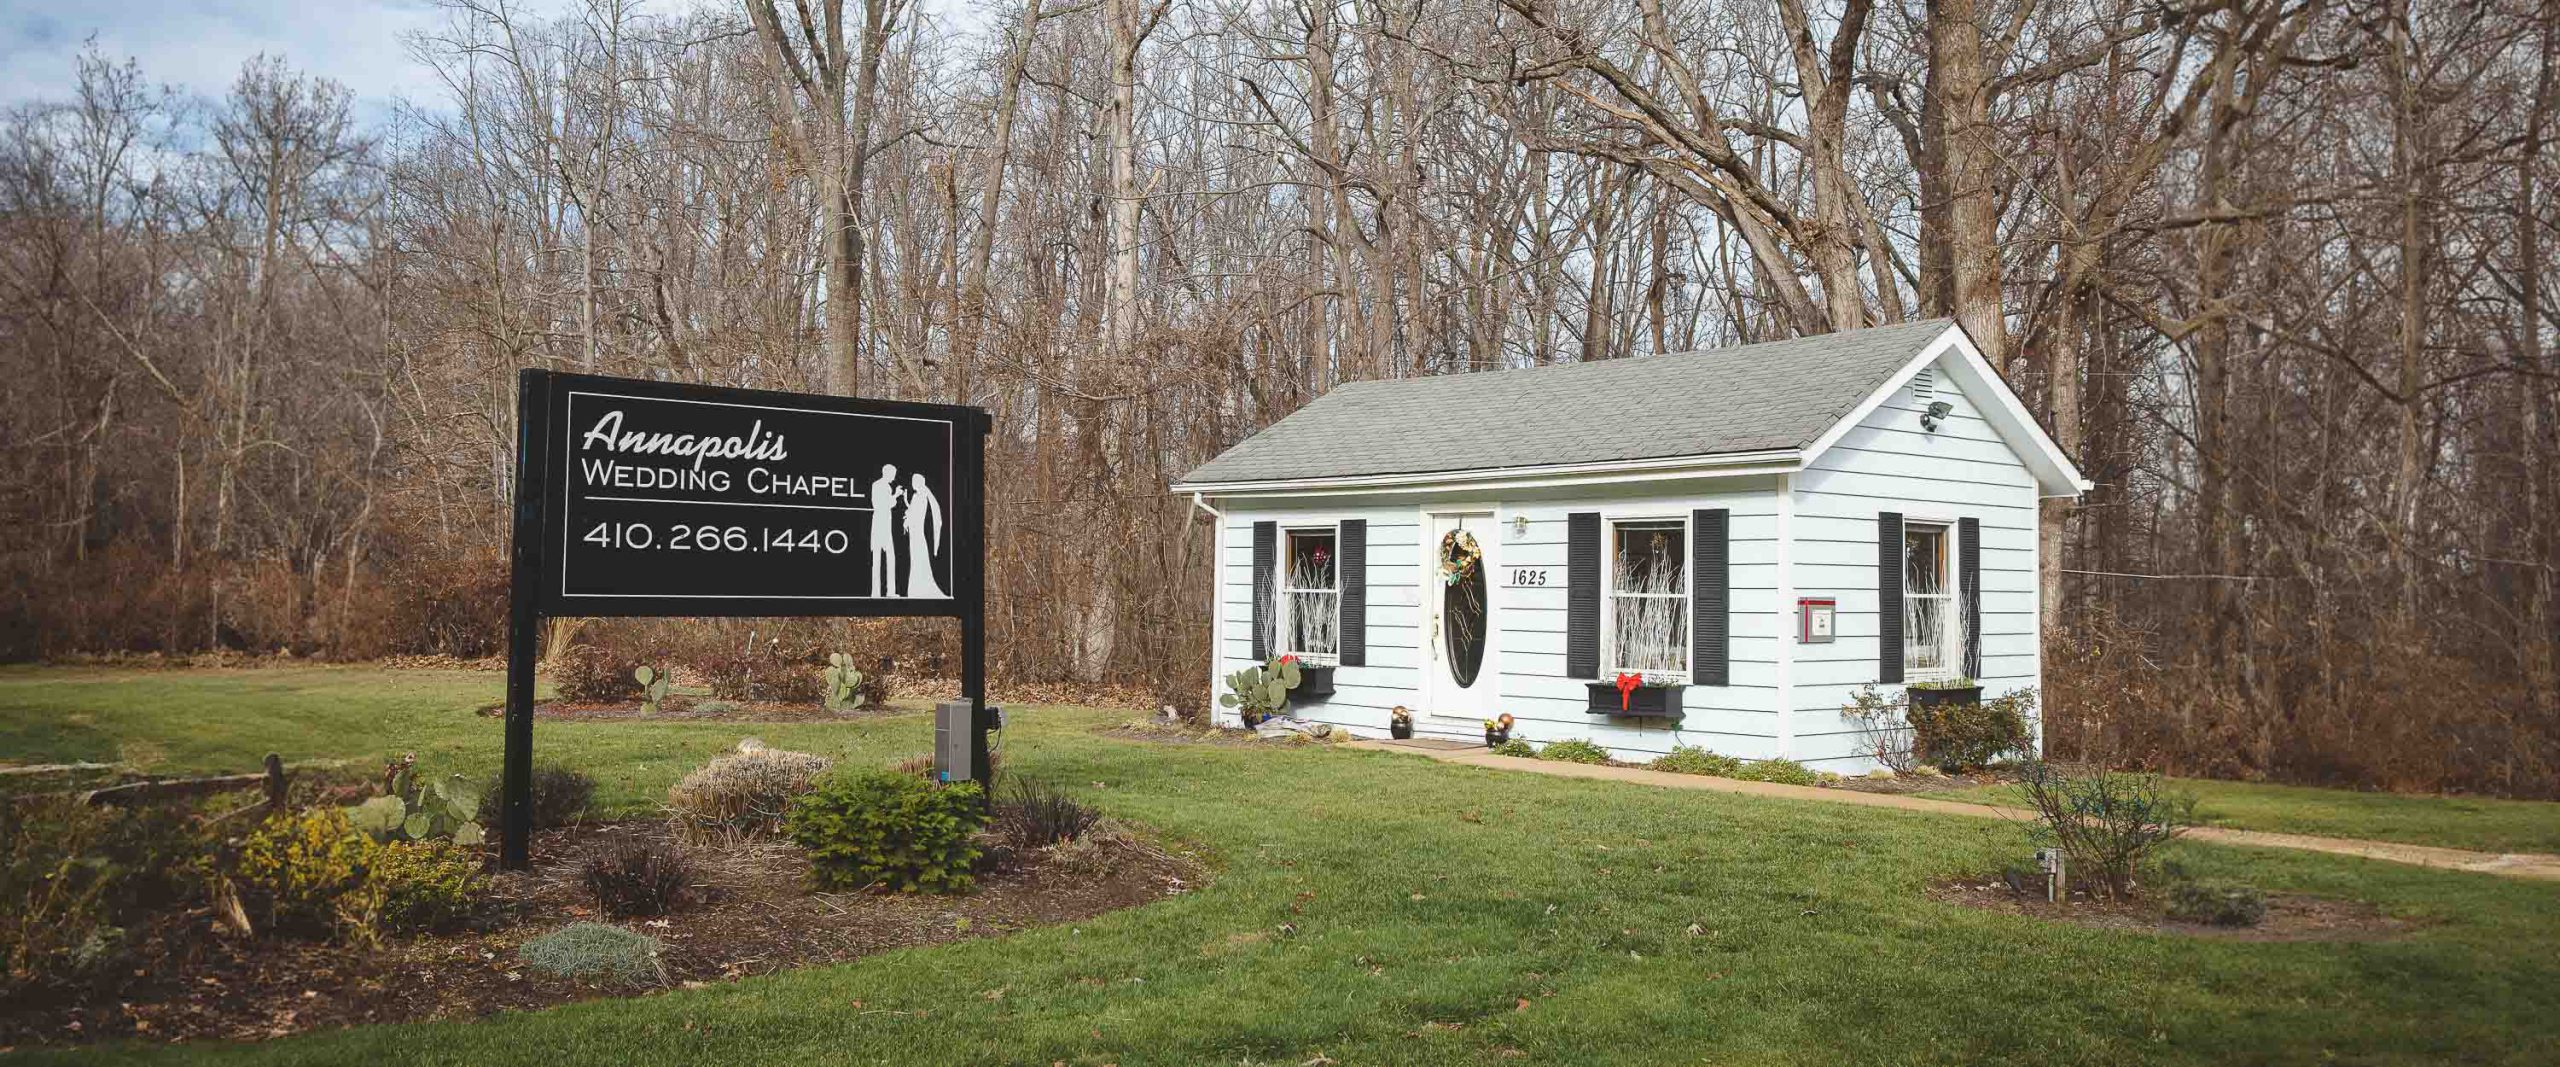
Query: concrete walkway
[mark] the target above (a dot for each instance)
(2527, 865)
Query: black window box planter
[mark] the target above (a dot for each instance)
(1924, 697)
(1647, 702)
(1314, 685)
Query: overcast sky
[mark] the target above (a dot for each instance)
(198, 45)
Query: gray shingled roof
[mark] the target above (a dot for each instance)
(1776, 395)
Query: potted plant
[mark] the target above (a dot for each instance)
(1638, 696)
(1258, 693)
(1400, 723)
(1497, 730)
(1945, 691)
(1315, 680)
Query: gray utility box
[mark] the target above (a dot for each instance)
(960, 740)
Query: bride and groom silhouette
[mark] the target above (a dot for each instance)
(922, 520)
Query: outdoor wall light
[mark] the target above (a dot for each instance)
(1938, 410)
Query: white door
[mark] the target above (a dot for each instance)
(1459, 680)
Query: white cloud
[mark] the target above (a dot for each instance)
(199, 47)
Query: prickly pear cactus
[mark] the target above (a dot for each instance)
(1258, 693)
(379, 817)
(448, 807)
(844, 683)
(654, 684)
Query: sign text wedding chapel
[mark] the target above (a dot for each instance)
(655, 498)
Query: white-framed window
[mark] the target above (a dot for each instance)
(1647, 598)
(1932, 642)
(1310, 594)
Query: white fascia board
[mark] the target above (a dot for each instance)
(1734, 464)
(2056, 475)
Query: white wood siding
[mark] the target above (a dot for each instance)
(1887, 463)
(1526, 663)
(1362, 695)
(1740, 718)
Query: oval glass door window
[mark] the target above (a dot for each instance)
(1462, 605)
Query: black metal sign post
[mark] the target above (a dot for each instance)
(641, 498)
(515, 819)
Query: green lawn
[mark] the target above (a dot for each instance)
(2482, 823)
(1428, 902)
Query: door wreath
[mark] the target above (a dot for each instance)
(1459, 557)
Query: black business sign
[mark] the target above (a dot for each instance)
(653, 498)
(668, 499)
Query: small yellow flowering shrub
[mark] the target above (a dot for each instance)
(294, 869)
(313, 872)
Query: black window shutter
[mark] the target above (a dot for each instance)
(1266, 544)
(1351, 561)
(1711, 597)
(1969, 590)
(1888, 596)
(1582, 595)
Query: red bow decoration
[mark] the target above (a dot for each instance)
(1627, 684)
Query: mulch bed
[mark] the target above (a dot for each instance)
(1912, 783)
(687, 709)
(2290, 917)
(1166, 733)
(758, 918)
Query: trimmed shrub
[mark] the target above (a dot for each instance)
(595, 950)
(2217, 904)
(889, 829)
(1516, 747)
(1033, 814)
(641, 882)
(1781, 771)
(743, 794)
(1575, 750)
(561, 797)
(2106, 822)
(294, 869)
(1690, 759)
(586, 674)
(1962, 737)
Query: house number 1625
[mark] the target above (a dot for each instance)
(1528, 576)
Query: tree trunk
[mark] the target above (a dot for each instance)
(1836, 231)
(969, 324)
(2533, 398)
(1960, 205)
(2415, 179)
(1121, 303)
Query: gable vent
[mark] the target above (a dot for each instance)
(1924, 384)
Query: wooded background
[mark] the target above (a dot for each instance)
(2276, 271)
